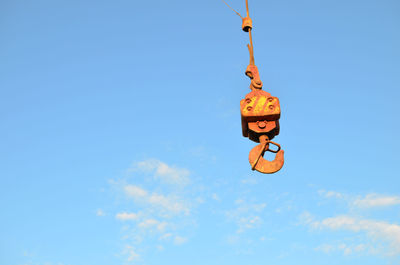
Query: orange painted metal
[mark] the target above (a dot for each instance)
(247, 24)
(260, 113)
(257, 161)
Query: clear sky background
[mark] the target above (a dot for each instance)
(121, 138)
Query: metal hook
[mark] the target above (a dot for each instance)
(257, 160)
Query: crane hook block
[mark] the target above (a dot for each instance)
(260, 113)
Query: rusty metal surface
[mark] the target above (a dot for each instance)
(247, 24)
(257, 160)
(260, 105)
(253, 74)
(260, 112)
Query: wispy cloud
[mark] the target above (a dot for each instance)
(135, 191)
(249, 180)
(131, 254)
(153, 224)
(331, 194)
(162, 171)
(157, 209)
(379, 236)
(178, 240)
(371, 200)
(375, 230)
(215, 197)
(100, 212)
(346, 249)
(246, 215)
(376, 200)
(124, 216)
(168, 205)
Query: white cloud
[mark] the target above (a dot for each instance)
(331, 194)
(169, 205)
(338, 222)
(306, 218)
(178, 240)
(159, 201)
(368, 201)
(124, 216)
(326, 248)
(160, 247)
(342, 247)
(131, 254)
(166, 236)
(100, 212)
(215, 197)
(249, 180)
(376, 200)
(148, 223)
(248, 223)
(375, 230)
(380, 237)
(135, 191)
(162, 226)
(151, 224)
(245, 215)
(167, 174)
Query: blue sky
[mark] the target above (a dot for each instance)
(121, 137)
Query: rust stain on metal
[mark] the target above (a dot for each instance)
(260, 113)
(257, 161)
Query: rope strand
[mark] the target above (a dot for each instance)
(232, 9)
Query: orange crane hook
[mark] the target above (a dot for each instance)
(257, 161)
(260, 113)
